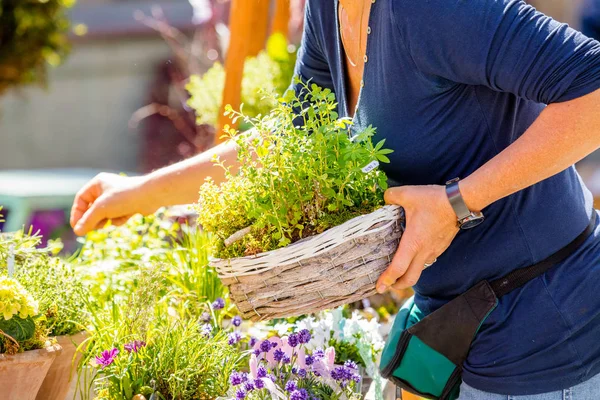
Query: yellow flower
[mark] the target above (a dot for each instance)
(14, 299)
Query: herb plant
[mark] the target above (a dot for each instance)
(302, 171)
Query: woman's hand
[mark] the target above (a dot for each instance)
(108, 197)
(430, 228)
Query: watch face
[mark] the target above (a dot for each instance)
(471, 222)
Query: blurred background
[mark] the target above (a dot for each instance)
(111, 94)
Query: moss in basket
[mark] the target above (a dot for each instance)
(295, 180)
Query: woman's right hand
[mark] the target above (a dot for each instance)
(109, 197)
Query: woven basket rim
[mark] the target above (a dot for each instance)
(389, 213)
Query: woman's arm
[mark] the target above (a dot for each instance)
(563, 134)
(115, 197)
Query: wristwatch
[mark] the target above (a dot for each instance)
(467, 219)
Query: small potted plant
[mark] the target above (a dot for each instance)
(302, 225)
(25, 353)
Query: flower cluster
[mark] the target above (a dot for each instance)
(281, 368)
(107, 357)
(15, 300)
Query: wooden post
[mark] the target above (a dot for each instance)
(281, 18)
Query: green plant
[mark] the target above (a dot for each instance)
(141, 347)
(32, 34)
(294, 181)
(270, 71)
(60, 293)
(19, 327)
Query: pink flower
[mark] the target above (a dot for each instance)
(330, 357)
(107, 357)
(301, 359)
(254, 366)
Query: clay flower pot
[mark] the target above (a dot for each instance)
(21, 375)
(61, 372)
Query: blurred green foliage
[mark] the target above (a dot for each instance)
(271, 71)
(33, 33)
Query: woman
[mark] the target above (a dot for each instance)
(459, 89)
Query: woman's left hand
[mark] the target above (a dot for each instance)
(430, 228)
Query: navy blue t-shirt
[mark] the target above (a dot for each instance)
(450, 84)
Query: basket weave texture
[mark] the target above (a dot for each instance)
(336, 267)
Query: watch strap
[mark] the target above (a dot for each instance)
(456, 200)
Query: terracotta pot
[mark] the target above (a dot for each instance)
(63, 370)
(21, 375)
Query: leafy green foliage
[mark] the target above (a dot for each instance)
(270, 71)
(294, 181)
(113, 260)
(33, 34)
(179, 360)
(57, 289)
(20, 329)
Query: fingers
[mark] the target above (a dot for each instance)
(413, 273)
(91, 219)
(83, 200)
(407, 250)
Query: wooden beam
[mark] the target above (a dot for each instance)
(248, 27)
(281, 18)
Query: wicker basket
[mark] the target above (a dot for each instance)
(336, 267)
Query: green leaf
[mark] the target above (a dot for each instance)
(18, 328)
(383, 158)
(380, 144)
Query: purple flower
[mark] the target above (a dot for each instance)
(309, 360)
(293, 340)
(253, 341)
(261, 372)
(237, 320)
(290, 386)
(219, 304)
(249, 386)
(302, 373)
(286, 360)
(351, 364)
(304, 336)
(278, 355)
(240, 394)
(244, 376)
(318, 354)
(207, 330)
(206, 317)
(301, 394)
(257, 352)
(356, 378)
(235, 379)
(272, 377)
(107, 357)
(234, 338)
(274, 344)
(265, 346)
(134, 346)
(259, 384)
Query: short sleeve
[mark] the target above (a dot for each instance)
(506, 45)
(311, 63)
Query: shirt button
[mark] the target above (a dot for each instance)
(362, 83)
(368, 30)
(366, 58)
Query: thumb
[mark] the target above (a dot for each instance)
(91, 218)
